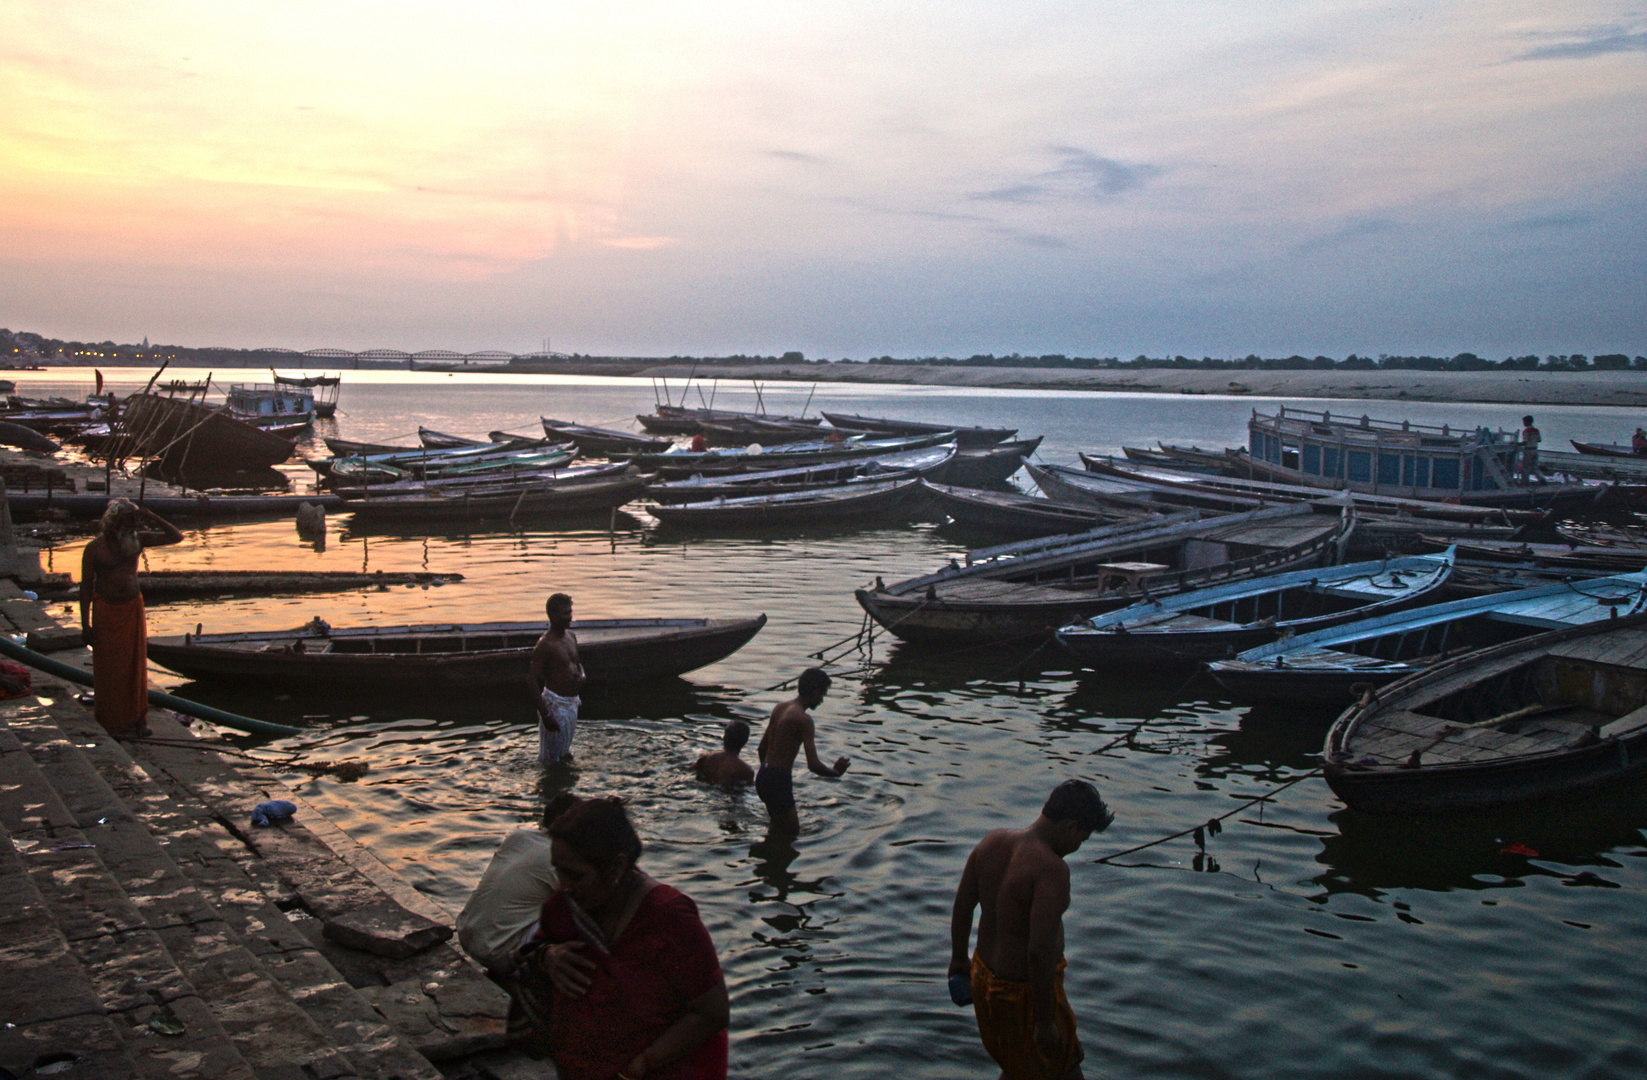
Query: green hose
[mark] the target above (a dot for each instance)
(156, 697)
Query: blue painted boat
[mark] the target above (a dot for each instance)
(1319, 669)
(1209, 624)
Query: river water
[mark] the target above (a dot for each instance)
(1304, 941)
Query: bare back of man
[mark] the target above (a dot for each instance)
(724, 768)
(1019, 883)
(789, 731)
(1016, 871)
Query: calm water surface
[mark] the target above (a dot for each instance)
(1305, 941)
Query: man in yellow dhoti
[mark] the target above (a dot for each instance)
(1015, 979)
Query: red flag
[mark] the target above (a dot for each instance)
(99, 375)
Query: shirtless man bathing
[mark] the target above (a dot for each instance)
(790, 730)
(1015, 978)
(111, 614)
(554, 679)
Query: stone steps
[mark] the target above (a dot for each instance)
(166, 916)
(86, 974)
(366, 921)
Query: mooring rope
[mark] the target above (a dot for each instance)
(1213, 825)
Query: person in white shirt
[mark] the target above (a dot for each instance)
(502, 913)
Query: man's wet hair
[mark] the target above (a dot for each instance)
(813, 682)
(556, 600)
(736, 737)
(1078, 801)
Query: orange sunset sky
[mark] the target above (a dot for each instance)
(848, 179)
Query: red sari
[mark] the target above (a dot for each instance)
(663, 959)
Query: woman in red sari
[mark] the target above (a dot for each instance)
(638, 990)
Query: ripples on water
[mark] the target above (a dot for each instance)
(1305, 941)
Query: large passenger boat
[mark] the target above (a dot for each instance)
(1467, 465)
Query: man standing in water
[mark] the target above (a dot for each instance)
(111, 614)
(788, 731)
(555, 677)
(1015, 979)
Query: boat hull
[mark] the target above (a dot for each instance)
(183, 435)
(615, 653)
(1423, 749)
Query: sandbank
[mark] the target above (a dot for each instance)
(1615, 389)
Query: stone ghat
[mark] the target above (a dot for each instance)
(147, 929)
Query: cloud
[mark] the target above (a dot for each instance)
(1017, 193)
(1594, 43)
(1552, 221)
(796, 155)
(1081, 174)
(1101, 175)
(1347, 234)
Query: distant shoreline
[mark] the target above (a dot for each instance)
(1610, 389)
(1604, 389)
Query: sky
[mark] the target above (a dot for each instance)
(847, 179)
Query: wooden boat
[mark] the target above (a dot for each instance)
(1547, 715)
(452, 484)
(1386, 524)
(848, 501)
(184, 434)
(204, 505)
(1318, 669)
(503, 501)
(440, 440)
(26, 438)
(1015, 514)
(1475, 466)
(474, 656)
(600, 442)
(501, 457)
(323, 388)
(676, 420)
(352, 448)
(1079, 487)
(683, 463)
(929, 461)
(160, 586)
(745, 430)
(1207, 624)
(1606, 449)
(1176, 477)
(967, 437)
(1610, 558)
(1026, 590)
(984, 465)
(272, 406)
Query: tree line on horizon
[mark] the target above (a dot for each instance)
(24, 346)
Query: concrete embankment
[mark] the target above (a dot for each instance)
(148, 929)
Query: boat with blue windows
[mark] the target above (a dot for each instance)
(1475, 466)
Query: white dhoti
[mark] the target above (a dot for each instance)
(554, 745)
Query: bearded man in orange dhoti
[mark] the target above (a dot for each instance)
(111, 614)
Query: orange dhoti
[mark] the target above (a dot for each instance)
(1006, 1023)
(120, 665)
